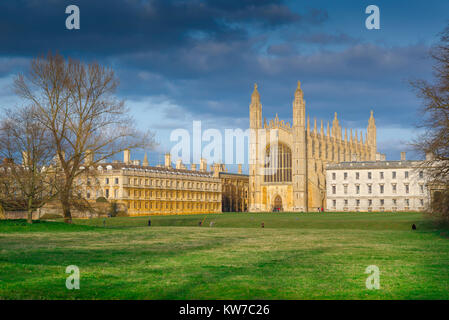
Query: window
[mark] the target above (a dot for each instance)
(369, 175)
(381, 188)
(334, 189)
(370, 189)
(370, 202)
(357, 202)
(116, 180)
(107, 193)
(357, 189)
(381, 174)
(334, 203)
(393, 187)
(116, 193)
(107, 180)
(346, 202)
(421, 202)
(407, 202)
(421, 174)
(394, 201)
(345, 175)
(407, 188)
(357, 175)
(345, 188)
(382, 202)
(406, 174)
(421, 188)
(278, 163)
(393, 175)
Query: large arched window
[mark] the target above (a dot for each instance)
(278, 163)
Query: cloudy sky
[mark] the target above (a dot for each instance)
(180, 61)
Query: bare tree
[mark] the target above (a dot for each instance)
(88, 124)
(434, 142)
(24, 176)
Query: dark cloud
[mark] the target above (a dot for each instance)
(217, 78)
(327, 38)
(109, 27)
(199, 59)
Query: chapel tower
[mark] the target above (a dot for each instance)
(299, 163)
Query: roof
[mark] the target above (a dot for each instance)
(241, 175)
(171, 170)
(374, 165)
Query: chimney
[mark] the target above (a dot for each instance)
(239, 170)
(203, 165)
(136, 162)
(193, 167)
(383, 157)
(179, 164)
(402, 156)
(167, 160)
(89, 157)
(216, 169)
(57, 160)
(25, 158)
(127, 156)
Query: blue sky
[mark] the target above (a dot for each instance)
(180, 61)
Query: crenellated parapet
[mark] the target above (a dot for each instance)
(277, 124)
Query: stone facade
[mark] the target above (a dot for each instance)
(234, 192)
(377, 186)
(287, 162)
(149, 190)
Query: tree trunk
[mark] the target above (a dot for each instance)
(30, 216)
(30, 210)
(66, 211)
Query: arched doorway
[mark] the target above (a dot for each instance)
(277, 206)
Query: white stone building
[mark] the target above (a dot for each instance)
(376, 186)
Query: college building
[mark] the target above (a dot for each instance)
(147, 190)
(287, 166)
(377, 186)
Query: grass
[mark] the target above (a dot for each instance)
(296, 256)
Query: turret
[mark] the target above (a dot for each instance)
(371, 137)
(299, 107)
(145, 160)
(299, 163)
(371, 131)
(336, 131)
(255, 110)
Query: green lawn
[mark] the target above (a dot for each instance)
(296, 256)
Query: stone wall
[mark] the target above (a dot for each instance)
(54, 210)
